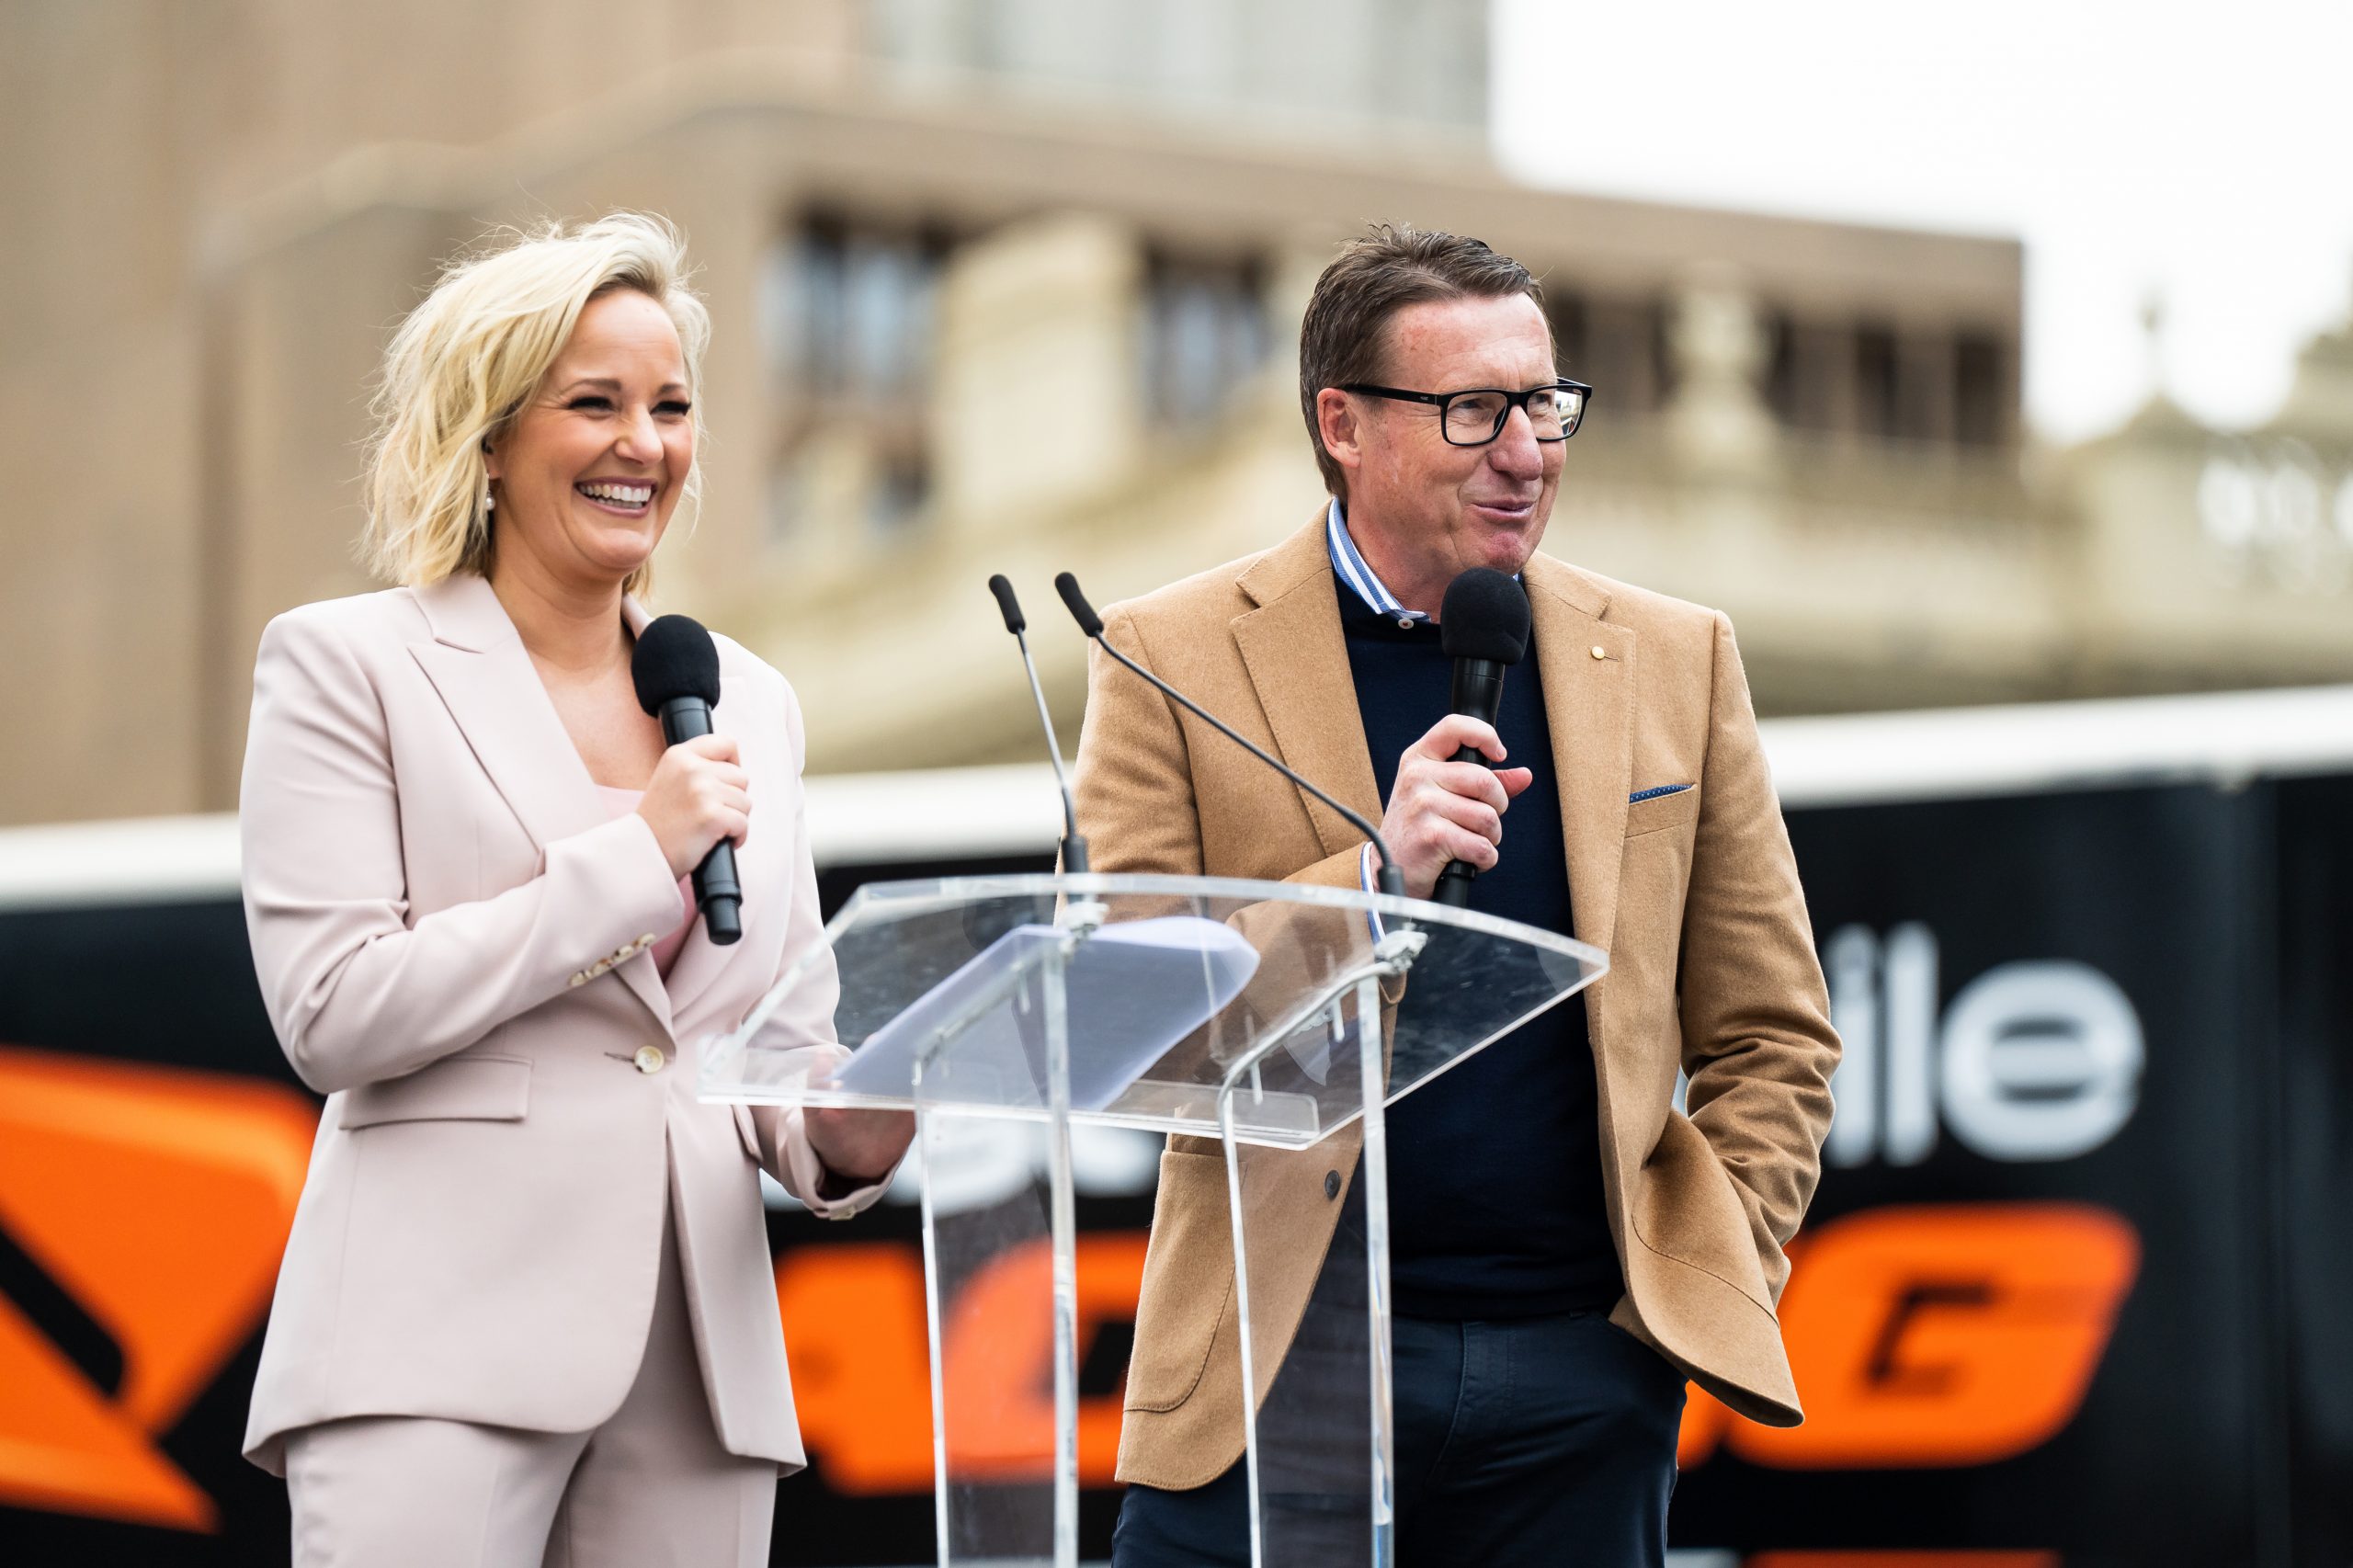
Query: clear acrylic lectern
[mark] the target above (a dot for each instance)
(1275, 1021)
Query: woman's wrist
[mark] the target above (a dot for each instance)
(855, 1148)
(833, 1186)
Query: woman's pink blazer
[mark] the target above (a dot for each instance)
(453, 938)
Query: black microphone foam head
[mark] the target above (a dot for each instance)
(1009, 607)
(1484, 616)
(675, 658)
(1080, 610)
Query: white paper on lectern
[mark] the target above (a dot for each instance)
(1133, 990)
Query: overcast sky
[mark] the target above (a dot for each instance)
(2198, 154)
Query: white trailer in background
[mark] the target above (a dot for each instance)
(955, 814)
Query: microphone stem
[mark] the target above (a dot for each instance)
(1392, 881)
(1073, 846)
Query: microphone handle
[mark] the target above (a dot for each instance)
(717, 892)
(1479, 694)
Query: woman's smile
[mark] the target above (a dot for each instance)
(622, 497)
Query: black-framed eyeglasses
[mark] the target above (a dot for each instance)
(1475, 417)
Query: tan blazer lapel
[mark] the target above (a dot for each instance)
(1298, 660)
(484, 676)
(1589, 706)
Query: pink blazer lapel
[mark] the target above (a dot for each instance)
(484, 676)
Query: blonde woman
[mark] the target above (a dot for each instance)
(526, 1314)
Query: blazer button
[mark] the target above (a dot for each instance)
(1331, 1184)
(649, 1059)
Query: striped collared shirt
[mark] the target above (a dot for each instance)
(1353, 569)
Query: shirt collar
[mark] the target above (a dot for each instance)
(1352, 569)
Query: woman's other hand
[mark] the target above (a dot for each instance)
(698, 795)
(858, 1146)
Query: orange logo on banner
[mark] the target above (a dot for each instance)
(999, 1347)
(1933, 1335)
(861, 1374)
(1939, 1335)
(861, 1378)
(159, 1199)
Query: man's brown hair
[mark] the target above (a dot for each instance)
(1344, 337)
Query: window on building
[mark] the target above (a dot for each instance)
(1793, 389)
(1204, 333)
(849, 309)
(1876, 408)
(1565, 311)
(1983, 392)
(1616, 344)
(1838, 378)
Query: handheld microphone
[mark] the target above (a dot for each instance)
(1483, 625)
(676, 670)
(1391, 880)
(1073, 843)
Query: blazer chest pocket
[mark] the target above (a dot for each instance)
(465, 1088)
(1655, 812)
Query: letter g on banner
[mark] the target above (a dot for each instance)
(1939, 1335)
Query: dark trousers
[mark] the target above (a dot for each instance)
(1537, 1441)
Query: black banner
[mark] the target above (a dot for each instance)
(2072, 1290)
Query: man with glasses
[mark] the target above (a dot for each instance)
(1567, 1248)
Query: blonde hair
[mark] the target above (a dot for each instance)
(464, 363)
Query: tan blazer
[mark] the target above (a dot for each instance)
(451, 935)
(1693, 896)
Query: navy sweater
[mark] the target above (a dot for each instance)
(1494, 1167)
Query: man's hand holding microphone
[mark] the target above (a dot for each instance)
(1446, 810)
(1441, 810)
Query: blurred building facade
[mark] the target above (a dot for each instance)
(1014, 285)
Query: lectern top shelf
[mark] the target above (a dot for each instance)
(938, 989)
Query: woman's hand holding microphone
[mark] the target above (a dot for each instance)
(698, 795)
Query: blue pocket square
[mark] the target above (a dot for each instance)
(1654, 794)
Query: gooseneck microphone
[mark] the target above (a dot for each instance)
(1391, 880)
(676, 670)
(1073, 843)
(1483, 625)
